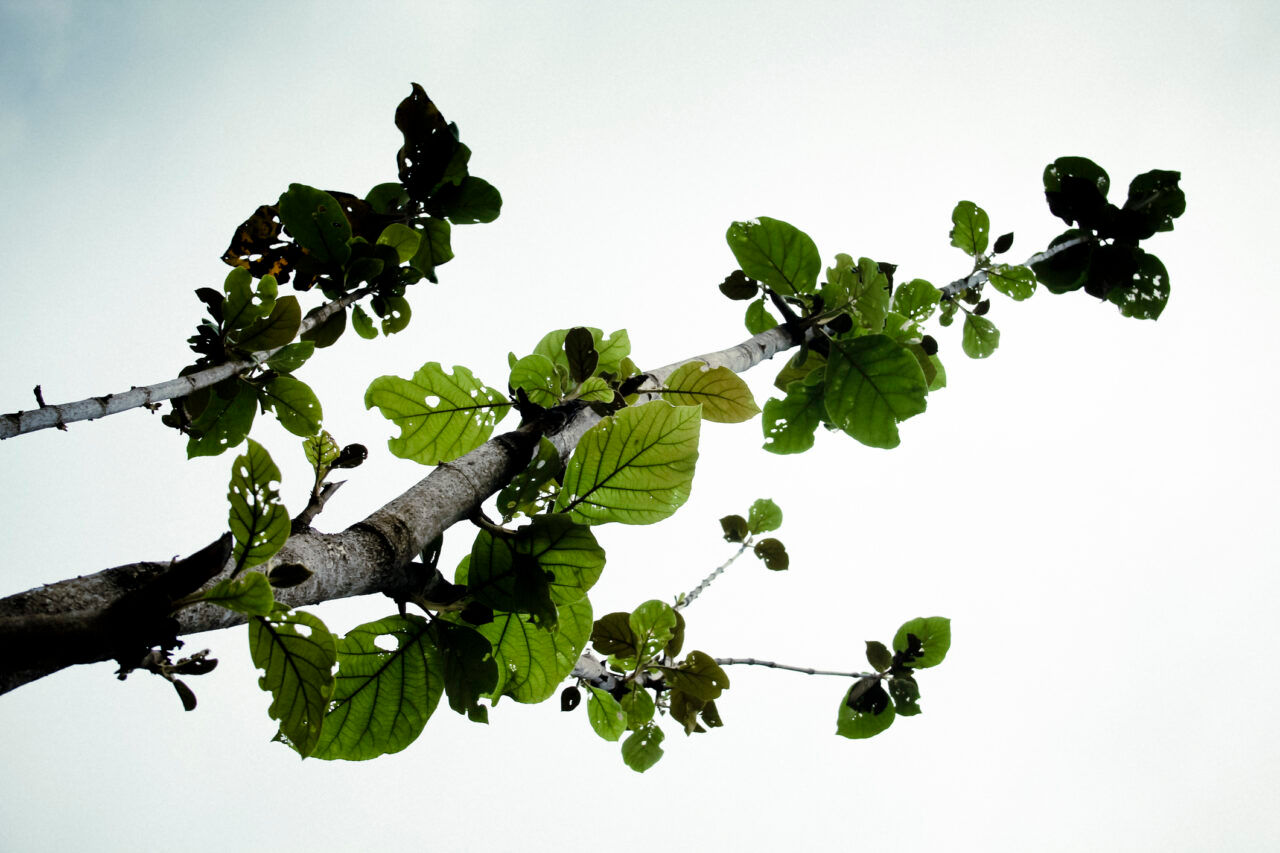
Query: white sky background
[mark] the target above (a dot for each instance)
(1093, 506)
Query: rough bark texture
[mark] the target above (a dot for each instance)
(79, 620)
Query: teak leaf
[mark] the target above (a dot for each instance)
(297, 653)
(440, 416)
(259, 523)
(872, 383)
(725, 398)
(777, 254)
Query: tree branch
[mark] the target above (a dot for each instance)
(59, 415)
(806, 670)
(369, 557)
(960, 285)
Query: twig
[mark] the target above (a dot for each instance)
(805, 669)
(955, 288)
(688, 597)
(19, 423)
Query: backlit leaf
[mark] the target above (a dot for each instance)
(777, 254)
(971, 228)
(294, 403)
(789, 423)
(872, 383)
(225, 421)
(980, 338)
(1015, 282)
(605, 714)
(642, 749)
(316, 221)
(296, 653)
(934, 634)
(259, 523)
(250, 594)
(531, 661)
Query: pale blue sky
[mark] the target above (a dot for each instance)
(1093, 506)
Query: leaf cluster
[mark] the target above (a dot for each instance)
(873, 701)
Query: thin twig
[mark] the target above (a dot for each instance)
(18, 423)
(805, 669)
(688, 597)
(971, 281)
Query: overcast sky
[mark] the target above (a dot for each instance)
(1094, 506)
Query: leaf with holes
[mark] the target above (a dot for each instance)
(980, 338)
(789, 423)
(294, 403)
(531, 661)
(635, 467)
(642, 749)
(225, 420)
(389, 681)
(440, 416)
(605, 714)
(297, 653)
(873, 383)
(764, 516)
(934, 636)
(1016, 282)
(700, 676)
(971, 228)
(315, 219)
(259, 522)
(725, 398)
(250, 594)
(610, 351)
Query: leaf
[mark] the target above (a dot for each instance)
(864, 722)
(430, 145)
(764, 516)
(225, 421)
(297, 654)
(873, 383)
(638, 707)
(971, 228)
(531, 661)
(273, 331)
(258, 521)
(653, 623)
(1076, 189)
(294, 403)
(611, 635)
(879, 656)
(906, 695)
(363, 323)
(500, 577)
(434, 249)
(441, 417)
(798, 367)
(402, 238)
(250, 593)
(605, 714)
(916, 300)
(700, 676)
(238, 308)
(316, 221)
(321, 451)
(580, 353)
(758, 318)
(863, 287)
(635, 467)
(382, 697)
(610, 351)
(327, 333)
(595, 390)
(1015, 282)
(469, 668)
(285, 575)
(774, 555)
(980, 338)
(1145, 297)
(725, 398)
(737, 286)
(397, 314)
(522, 493)
(1003, 244)
(1155, 200)
(775, 253)
(291, 357)
(735, 528)
(471, 201)
(568, 551)
(789, 423)
(642, 749)
(934, 634)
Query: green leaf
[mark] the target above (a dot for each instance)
(531, 661)
(1076, 189)
(906, 695)
(863, 722)
(500, 577)
(605, 714)
(568, 551)
(879, 656)
(758, 318)
(1155, 200)
(321, 451)
(789, 423)
(580, 353)
(653, 623)
(536, 375)
(916, 300)
(525, 488)
(873, 383)
(402, 238)
(777, 254)
(259, 523)
(291, 357)
(764, 516)
(972, 228)
(611, 635)
(774, 555)
(642, 749)
(934, 635)
(725, 398)
(327, 333)
(863, 288)
(250, 594)
(980, 338)
(273, 331)
(238, 308)
(1013, 281)
(700, 676)
(225, 421)
(635, 467)
(798, 367)
(638, 707)
(1146, 296)
(469, 669)
(297, 654)
(735, 528)
(382, 697)
(316, 221)
(1068, 269)
(595, 390)
(435, 247)
(441, 417)
(294, 403)
(363, 323)
(610, 351)
(389, 198)
(471, 201)
(397, 314)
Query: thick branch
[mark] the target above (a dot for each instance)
(18, 423)
(369, 557)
